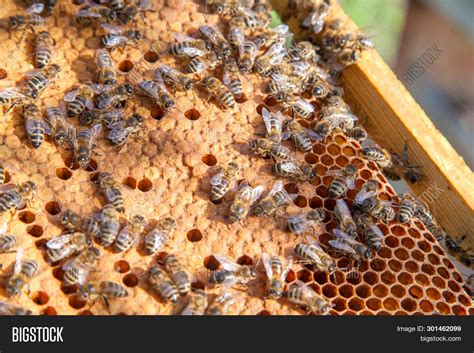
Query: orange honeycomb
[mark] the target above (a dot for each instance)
(169, 175)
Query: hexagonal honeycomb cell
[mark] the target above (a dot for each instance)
(169, 175)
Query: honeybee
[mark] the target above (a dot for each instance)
(379, 209)
(132, 10)
(109, 186)
(23, 272)
(78, 100)
(347, 246)
(8, 309)
(231, 273)
(220, 44)
(236, 35)
(112, 96)
(272, 36)
(175, 78)
(280, 83)
(177, 273)
(77, 269)
(30, 20)
(301, 222)
(344, 180)
(231, 78)
(243, 200)
(188, 46)
(197, 303)
(199, 64)
(109, 225)
(129, 235)
(301, 294)
(425, 216)
(357, 133)
(378, 155)
(299, 171)
(157, 237)
(299, 135)
(229, 7)
(7, 242)
(406, 208)
(59, 126)
(82, 142)
(40, 79)
(455, 248)
(220, 183)
(105, 289)
(12, 96)
(343, 214)
(107, 74)
(317, 17)
(123, 129)
(65, 245)
(43, 49)
(273, 56)
(157, 92)
(276, 274)
(35, 125)
(299, 106)
(160, 282)
(312, 254)
(276, 198)
(73, 222)
(334, 119)
(302, 51)
(369, 189)
(273, 125)
(101, 116)
(93, 13)
(267, 148)
(221, 304)
(118, 37)
(372, 234)
(219, 91)
(16, 196)
(247, 54)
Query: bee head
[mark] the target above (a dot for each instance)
(318, 91)
(60, 138)
(369, 203)
(309, 171)
(275, 292)
(218, 8)
(188, 84)
(367, 255)
(13, 287)
(88, 241)
(168, 104)
(16, 21)
(351, 169)
(137, 36)
(83, 161)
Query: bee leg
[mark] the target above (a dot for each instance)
(106, 301)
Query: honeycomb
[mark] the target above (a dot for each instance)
(169, 175)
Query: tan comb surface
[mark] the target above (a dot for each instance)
(169, 175)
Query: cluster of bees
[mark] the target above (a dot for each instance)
(216, 64)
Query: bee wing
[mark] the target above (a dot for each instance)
(281, 29)
(216, 179)
(287, 268)
(51, 116)
(343, 209)
(97, 88)
(313, 135)
(341, 245)
(111, 28)
(159, 78)
(290, 167)
(180, 37)
(59, 242)
(18, 261)
(117, 40)
(35, 8)
(266, 260)
(275, 50)
(257, 192)
(33, 72)
(117, 132)
(69, 97)
(305, 104)
(90, 104)
(3, 227)
(333, 172)
(96, 129)
(376, 230)
(192, 52)
(30, 125)
(226, 78)
(11, 92)
(362, 195)
(226, 263)
(277, 186)
(303, 223)
(88, 13)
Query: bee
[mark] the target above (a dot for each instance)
(317, 17)
(219, 43)
(300, 136)
(425, 216)
(65, 245)
(188, 46)
(372, 234)
(322, 89)
(7, 309)
(273, 125)
(276, 274)
(229, 7)
(343, 214)
(121, 131)
(197, 303)
(116, 5)
(175, 78)
(73, 222)
(401, 168)
(219, 91)
(109, 225)
(369, 189)
(312, 254)
(231, 273)
(243, 200)
(300, 171)
(79, 99)
(31, 20)
(247, 54)
(118, 37)
(276, 198)
(23, 272)
(303, 51)
(220, 183)
(82, 144)
(301, 222)
(16, 196)
(12, 96)
(347, 246)
(236, 35)
(160, 282)
(109, 187)
(343, 180)
(156, 90)
(94, 13)
(272, 36)
(129, 235)
(35, 125)
(273, 56)
(301, 294)
(357, 133)
(101, 116)
(105, 289)
(455, 248)
(253, 20)
(299, 106)
(113, 96)
(280, 83)
(59, 126)
(40, 79)
(77, 269)
(130, 11)
(267, 148)
(7, 242)
(378, 155)
(334, 119)
(199, 64)
(44, 44)
(406, 208)
(379, 209)
(156, 238)
(231, 78)
(107, 74)
(177, 273)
